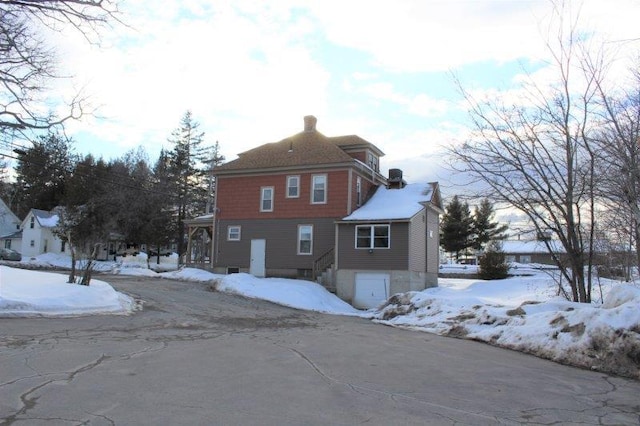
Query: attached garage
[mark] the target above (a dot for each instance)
(371, 289)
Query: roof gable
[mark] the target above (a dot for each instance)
(44, 218)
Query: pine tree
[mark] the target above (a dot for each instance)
(492, 262)
(484, 228)
(41, 173)
(188, 174)
(457, 227)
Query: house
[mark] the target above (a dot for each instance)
(532, 251)
(389, 245)
(37, 234)
(10, 235)
(279, 207)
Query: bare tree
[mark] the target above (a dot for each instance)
(27, 63)
(537, 156)
(618, 141)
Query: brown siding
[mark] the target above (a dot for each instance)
(281, 237)
(238, 197)
(381, 259)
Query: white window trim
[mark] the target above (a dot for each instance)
(297, 178)
(358, 191)
(300, 240)
(229, 228)
(326, 188)
(262, 198)
(372, 237)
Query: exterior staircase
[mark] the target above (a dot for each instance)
(323, 272)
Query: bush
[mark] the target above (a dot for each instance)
(492, 263)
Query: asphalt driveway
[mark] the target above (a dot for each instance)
(197, 357)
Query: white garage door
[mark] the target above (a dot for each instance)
(371, 290)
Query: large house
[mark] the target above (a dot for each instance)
(287, 209)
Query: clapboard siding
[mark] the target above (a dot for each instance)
(281, 237)
(379, 259)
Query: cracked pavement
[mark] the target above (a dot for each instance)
(193, 356)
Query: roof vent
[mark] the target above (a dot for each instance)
(395, 179)
(310, 123)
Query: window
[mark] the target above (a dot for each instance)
(7, 244)
(233, 233)
(358, 190)
(32, 224)
(372, 236)
(63, 246)
(32, 243)
(266, 199)
(525, 258)
(293, 186)
(372, 161)
(305, 239)
(318, 189)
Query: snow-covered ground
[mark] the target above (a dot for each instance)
(523, 312)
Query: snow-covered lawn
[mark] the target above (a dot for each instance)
(523, 313)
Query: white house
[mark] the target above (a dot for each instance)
(10, 236)
(38, 236)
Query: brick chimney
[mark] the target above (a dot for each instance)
(310, 123)
(395, 180)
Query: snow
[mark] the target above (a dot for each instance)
(523, 312)
(49, 222)
(34, 293)
(289, 292)
(394, 204)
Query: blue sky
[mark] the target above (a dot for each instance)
(250, 70)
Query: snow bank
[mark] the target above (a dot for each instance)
(524, 314)
(288, 292)
(35, 293)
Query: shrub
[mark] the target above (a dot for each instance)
(492, 263)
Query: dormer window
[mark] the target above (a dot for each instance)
(372, 161)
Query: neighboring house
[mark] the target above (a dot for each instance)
(37, 234)
(10, 236)
(532, 251)
(278, 207)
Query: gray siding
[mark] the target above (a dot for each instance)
(433, 241)
(394, 258)
(418, 242)
(281, 237)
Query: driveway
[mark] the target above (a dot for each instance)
(197, 357)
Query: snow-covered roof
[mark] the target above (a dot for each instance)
(13, 236)
(395, 204)
(531, 246)
(46, 219)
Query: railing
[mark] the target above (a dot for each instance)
(322, 263)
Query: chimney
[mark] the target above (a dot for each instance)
(395, 180)
(310, 123)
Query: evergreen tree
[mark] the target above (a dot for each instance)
(188, 173)
(484, 228)
(492, 262)
(457, 227)
(162, 219)
(41, 173)
(215, 159)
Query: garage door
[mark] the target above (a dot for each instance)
(371, 290)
